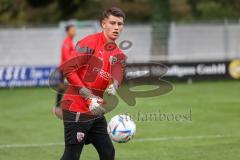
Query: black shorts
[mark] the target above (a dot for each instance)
(84, 131)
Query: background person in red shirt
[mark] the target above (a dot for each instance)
(67, 49)
(97, 67)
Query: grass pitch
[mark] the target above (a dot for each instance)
(210, 129)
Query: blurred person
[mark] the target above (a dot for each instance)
(67, 49)
(87, 97)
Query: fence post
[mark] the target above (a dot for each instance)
(226, 39)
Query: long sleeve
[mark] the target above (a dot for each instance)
(83, 53)
(118, 67)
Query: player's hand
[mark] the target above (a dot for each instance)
(112, 88)
(96, 105)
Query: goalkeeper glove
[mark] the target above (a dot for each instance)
(95, 103)
(112, 88)
(96, 106)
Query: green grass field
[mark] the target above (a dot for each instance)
(28, 130)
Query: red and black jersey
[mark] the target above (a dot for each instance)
(96, 63)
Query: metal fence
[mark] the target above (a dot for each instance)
(204, 42)
(183, 43)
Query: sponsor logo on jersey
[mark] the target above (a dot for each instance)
(105, 75)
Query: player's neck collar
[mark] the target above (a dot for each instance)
(69, 37)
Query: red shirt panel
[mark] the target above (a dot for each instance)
(82, 71)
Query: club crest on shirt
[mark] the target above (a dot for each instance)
(113, 59)
(80, 136)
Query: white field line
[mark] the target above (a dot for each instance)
(29, 145)
(135, 140)
(178, 138)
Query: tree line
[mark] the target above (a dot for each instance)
(19, 12)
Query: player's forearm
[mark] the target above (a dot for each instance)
(117, 73)
(70, 68)
(74, 80)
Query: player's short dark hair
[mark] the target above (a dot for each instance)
(114, 11)
(68, 27)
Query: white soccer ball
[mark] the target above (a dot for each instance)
(121, 128)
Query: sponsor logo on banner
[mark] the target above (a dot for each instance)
(16, 76)
(234, 69)
(178, 70)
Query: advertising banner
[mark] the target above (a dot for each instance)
(27, 76)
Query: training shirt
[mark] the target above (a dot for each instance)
(96, 63)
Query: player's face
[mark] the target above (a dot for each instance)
(72, 31)
(112, 27)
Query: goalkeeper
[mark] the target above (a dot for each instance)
(97, 67)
